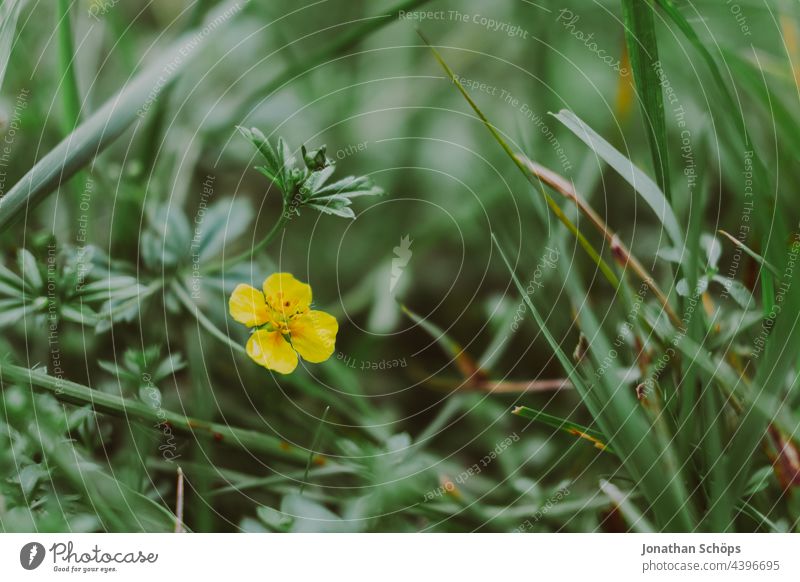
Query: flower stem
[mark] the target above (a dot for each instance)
(250, 253)
(201, 318)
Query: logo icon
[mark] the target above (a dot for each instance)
(31, 555)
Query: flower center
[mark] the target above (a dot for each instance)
(281, 312)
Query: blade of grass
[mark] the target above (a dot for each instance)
(621, 251)
(462, 360)
(772, 224)
(66, 58)
(9, 15)
(750, 252)
(625, 429)
(314, 444)
(563, 424)
(640, 36)
(622, 501)
(641, 182)
(608, 273)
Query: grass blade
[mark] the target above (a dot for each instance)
(9, 14)
(66, 58)
(587, 246)
(567, 426)
(640, 35)
(99, 131)
(640, 181)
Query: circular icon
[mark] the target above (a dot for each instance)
(31, 555)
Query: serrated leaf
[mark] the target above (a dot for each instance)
(351, 187)
(316, 180)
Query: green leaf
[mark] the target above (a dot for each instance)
(101, 129)
(309, 516)
(66, 57)
(350, 187)
(563, 424)
(9, 15)
(335, 205)
(640, 181)
(640, 35)
(29, 269)
(223, 222)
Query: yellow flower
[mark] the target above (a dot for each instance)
(285, 325)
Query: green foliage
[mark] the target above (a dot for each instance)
(129, 212)
(308, 186)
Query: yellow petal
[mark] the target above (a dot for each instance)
(247, 306)
(287, 295)
(314, 335)
(271, 350)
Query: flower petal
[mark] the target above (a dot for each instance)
(247, 306)
(287, 295)
(314, 335)
(271, 350)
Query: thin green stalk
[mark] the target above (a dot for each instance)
(314, 444)
(587, 246)
(202, 319)
(640, 35)
(130, 410)
(251, 252)
(66, 58)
